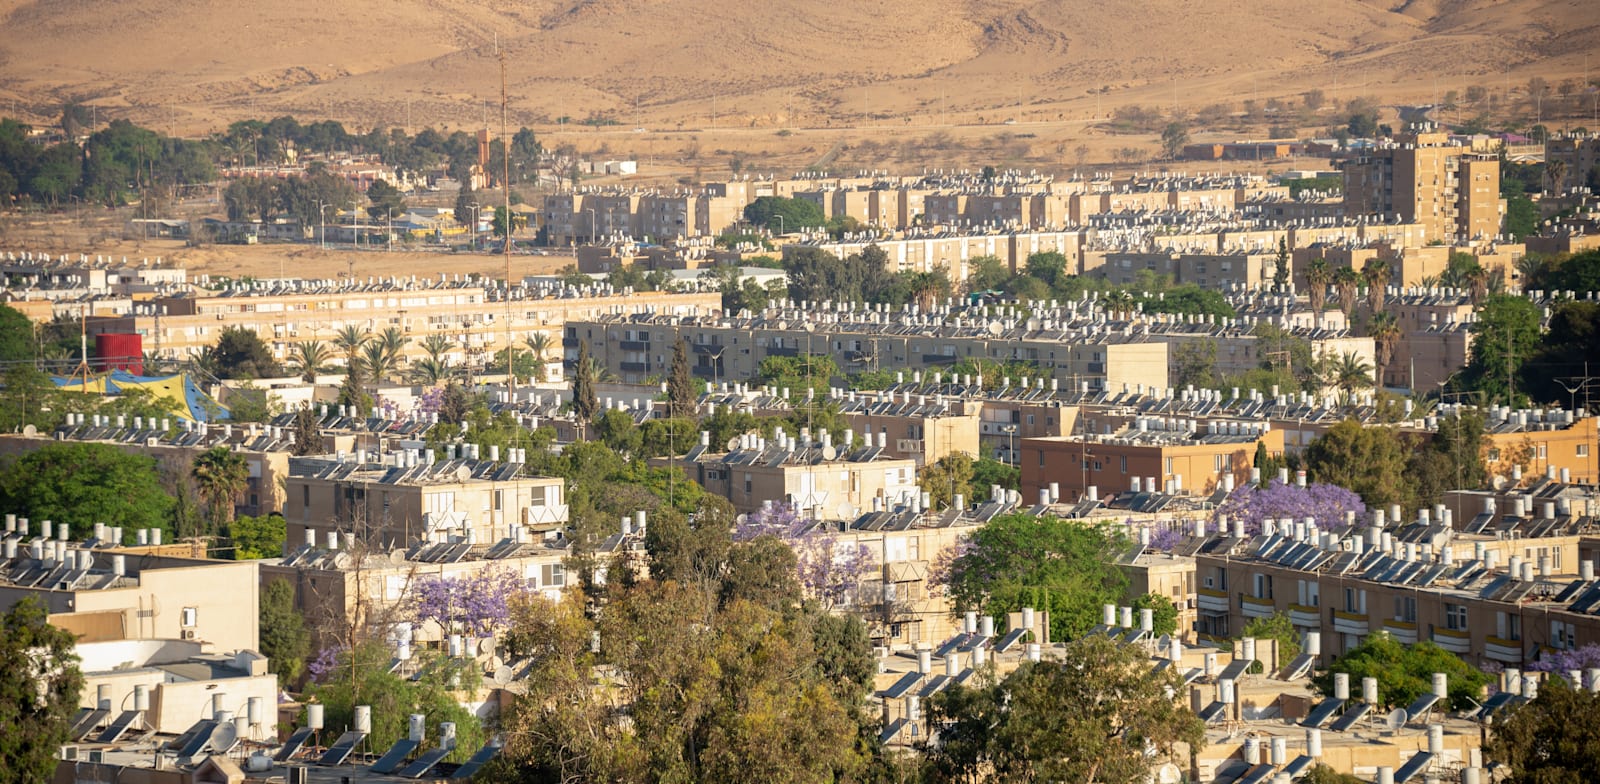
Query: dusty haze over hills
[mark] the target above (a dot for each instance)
(195, 64)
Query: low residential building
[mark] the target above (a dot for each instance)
(820, 479)
(1172, 454)
(395, 500)
(172, 684)
(101, 592)
(922, 429)
(1543, 442)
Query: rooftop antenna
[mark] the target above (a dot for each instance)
(505, 184)
(81, 373)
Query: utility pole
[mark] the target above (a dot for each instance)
(505, 183)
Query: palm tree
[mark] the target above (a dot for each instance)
(220, 476)
(376, 360)
(600, 373)
(428, 371)
(394, 342)
(1385, 332)
(1117, 302)
(926, 287)
(1318, 276)
(1556, 172)
(539, 344)
(1376, 273)
(1346, 282)
(435, 346)
(1351, 373)
(310, 358)
(351, 339)
(1477, 283)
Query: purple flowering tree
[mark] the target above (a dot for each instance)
(829, 569)
(326, 662)
(1327, 504)
(431, 401)
(475, 604)
(1565, 661)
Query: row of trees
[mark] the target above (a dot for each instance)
(117, 164)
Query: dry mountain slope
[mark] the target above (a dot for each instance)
(683, 60)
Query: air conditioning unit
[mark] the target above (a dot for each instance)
(188, 634)
(69, 753)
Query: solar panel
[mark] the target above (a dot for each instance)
(1132, 636)
(396, 754)
(203, 725)
(903, 685)
(1421, 705)
(1009, 640)
(1428, 577)
(1298, 766)
(340, 750)
(934, 685)
(121, 725)
(1212, 712)
(481, 758)
(88, 723)
(1418, 763)
(892, 730)
(293, 744)
(1322, 712)
(424, 763)
(1257, 774)
(1349, 718)
(1587, 601)
(1570, 591)
(1192, 675)
(1495, 703)
(1234, 670)
(199, 741)
(1494, 586)
(1299, 667)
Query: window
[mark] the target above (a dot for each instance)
(1455, 617)
(552, 575)
(1405, 609)
(1214, 624)
(1263, 586)
(1169, 465)
(1563, 635)
(1217, 462)
(1542, 451)
(1583, 450)
(1124, 461)
(1355, 600)
(1507, 626)
(189, 617)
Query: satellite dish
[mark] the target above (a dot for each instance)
(30, 430)
(733, 443)
(486, 646)
(397, 557)
(1397, 719)
(224, 737)
(846, 511)
(995, 328)
(1164, 644)
(829, 453)
(502, 675)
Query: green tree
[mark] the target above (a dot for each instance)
(519, 222)
(1405, 672)
(386, 200)
(254, 538)
(1376, 273)
(795, 214)
(682, 396)
(617, 430)
(221, 477)
(284, 639)
(1048, 267)
(584, 402)
(1557, 364)
(81, 484)
(39, 695)
(1545, 741)
(306, 432)
(1173, 139)
(1061, 566)
(1091, 717)
(988, 472)
(1164, 613)
(241, 354)
(361, 676)
(944, 480)
(986, 273)
(1452, 460)
(1279, 628)
(1371, 461)
(311, 357)
(1322, 774)
(16, 336)
(1505, 335)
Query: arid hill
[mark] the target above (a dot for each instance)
(191, 64)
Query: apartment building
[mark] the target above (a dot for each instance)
(918, 428)
(101, 591)
(472, 316)
(819, 479)
(920, 250)
(338, 589)
(1207, 270)
(1496, 589)
(1160, 454)
(396, 500)
(636, 348)
(1424, 178)
(1543, 442)
(1577, 156)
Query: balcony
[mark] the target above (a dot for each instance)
(635, 345)
(1402, 631)
(1212, 600)
(1256, 607)
(635, 367)
(782, 351)
(708, 348)
(1506, 651)
(1456, 641)
(1350, 623)
(1301, 615)
(569, 342)
(939, 359)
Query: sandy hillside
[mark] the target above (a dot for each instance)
(189, 64)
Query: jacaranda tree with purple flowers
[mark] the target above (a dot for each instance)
(1327, 504)
(1565, 661)
(829, 568)
(473, 604)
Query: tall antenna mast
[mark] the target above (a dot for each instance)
(505, 183)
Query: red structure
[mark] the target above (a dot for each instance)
(120, 351)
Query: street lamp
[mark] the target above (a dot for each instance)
(1011, 450)
(322, 215)
(390, 245)
(780, 224)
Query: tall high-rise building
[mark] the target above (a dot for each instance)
(1451, 191)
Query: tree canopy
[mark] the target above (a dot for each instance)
(1062, 566)
(39, 688)
(1545, 741)
(1405, 672)
(284, 639)
(241, 354)
(81, 484)
(795, 214)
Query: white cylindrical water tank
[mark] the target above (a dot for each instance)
(1225, 691)
(1341, 686)
(1027, 618)
(1147, 620)
(1252, 750)
(925, 661)
(314, 714)
(952, 664)
(986, 626)
(1280, 751)
(252, 711)
(1385, 774)
(1313, 743)
(102, 697)
(1247, 649)
(1441, 686)
(1369, 691)
(417, 729)
(217, 704)
(1127, 617)
(969, 622)
(1313, 644)
(1033, 650)
(447, 735)
(141, 697)
(362, 719)
(1436, 739)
